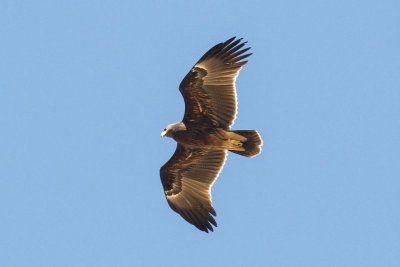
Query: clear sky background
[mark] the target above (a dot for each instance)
(86, 88)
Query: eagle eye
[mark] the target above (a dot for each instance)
(165, 129)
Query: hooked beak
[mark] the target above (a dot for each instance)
(166, 132)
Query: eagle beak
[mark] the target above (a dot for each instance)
(165, 132)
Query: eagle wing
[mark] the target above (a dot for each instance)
(187, 179)
(209, 87)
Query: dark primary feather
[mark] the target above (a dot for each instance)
(187, 179)
(209, 87)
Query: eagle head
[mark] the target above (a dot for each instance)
(172, 128)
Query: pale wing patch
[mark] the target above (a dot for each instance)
(219, 83)
(209, 88)
(190, 193)
(203, 188)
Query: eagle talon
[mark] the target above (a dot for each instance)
(235, 145)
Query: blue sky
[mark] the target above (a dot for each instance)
(86, 88)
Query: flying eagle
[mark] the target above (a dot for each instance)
(204, 136)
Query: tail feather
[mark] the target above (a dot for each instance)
(252, 145)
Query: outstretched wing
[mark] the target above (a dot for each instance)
(209, 87)
(187, 179)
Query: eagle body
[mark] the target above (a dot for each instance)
(204, 136)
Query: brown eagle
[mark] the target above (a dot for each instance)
(204, 137)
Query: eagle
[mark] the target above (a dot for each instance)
(204, 136)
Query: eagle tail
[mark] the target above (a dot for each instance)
(250, 145)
